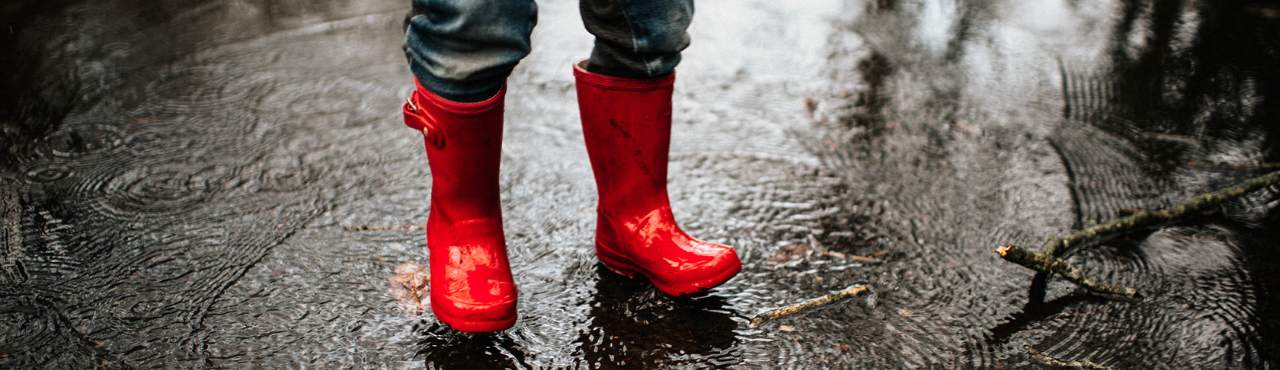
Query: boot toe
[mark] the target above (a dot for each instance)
(490, 309)
(722, 258)
(707, 272)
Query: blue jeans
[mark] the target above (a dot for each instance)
(463, 50)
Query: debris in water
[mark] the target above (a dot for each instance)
(809, 305)
(378, 228)
(1056, 362)
(1047, 260)
(409, 287)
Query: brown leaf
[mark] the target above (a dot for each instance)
(409, 286)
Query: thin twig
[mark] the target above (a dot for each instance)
(1046, 259)
(376, 228)
(822, 250)
(809, 305)
(1056, 362)
(1046, 264)
(852, 257)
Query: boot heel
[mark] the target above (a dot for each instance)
(607, 254)
(614, 262)
(611, 259)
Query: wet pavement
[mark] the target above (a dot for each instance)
(229, 184)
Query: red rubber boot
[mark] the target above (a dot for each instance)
(627, 125)
(471, 285)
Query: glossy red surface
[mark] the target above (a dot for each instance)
(627, 127)
(471, 285)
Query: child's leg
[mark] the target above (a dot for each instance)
(463, 50)
(636, 39)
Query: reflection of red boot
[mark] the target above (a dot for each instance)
(627, 125)
(471, 285)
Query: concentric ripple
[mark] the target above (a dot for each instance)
(160, 190)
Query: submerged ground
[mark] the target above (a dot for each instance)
(229, 184)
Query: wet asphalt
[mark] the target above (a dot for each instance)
(228, 184)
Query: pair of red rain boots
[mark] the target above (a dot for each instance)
(627, 127)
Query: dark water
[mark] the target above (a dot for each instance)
(228, 184)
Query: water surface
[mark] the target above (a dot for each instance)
(228, 184)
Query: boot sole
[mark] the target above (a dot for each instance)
(622, 265)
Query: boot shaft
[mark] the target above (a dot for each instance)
(464, 151)
(626, 124)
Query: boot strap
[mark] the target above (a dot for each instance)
(420, 119)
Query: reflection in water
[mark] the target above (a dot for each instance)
(1261, 254)
(440, 346)
(444, 348)
(1144, 91)
(634, 326)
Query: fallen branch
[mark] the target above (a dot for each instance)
(1046, 259)
(1054, 361)
(1141, 218)
(809, 305)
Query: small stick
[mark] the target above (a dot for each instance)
(822, 250)
(374, 228)
(1056, 362)
(852, 257)
(809, 305)
(1042, 262)
(1046, 259)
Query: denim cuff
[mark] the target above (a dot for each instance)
(468, 91)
